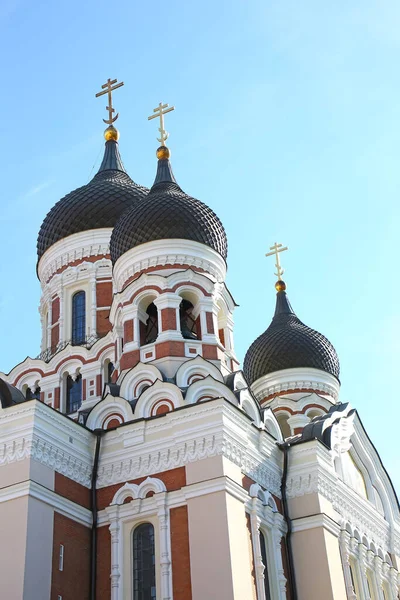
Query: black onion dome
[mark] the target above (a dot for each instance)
(97, 204)
(168, 213)
(287, 344)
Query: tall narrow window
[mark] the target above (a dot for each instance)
(78, 317)
(265, 562)
(74, 394)
(144, 567)
(110, 371)
(188, 322)
(151, 324)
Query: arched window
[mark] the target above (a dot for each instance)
(144, 563)
(110, 371)
(74, 394)
(78, 318)
(283, 424)
(151, 331)
(31, 395)
(188, 322)
(265, 563)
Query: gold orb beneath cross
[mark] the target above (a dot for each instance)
(280, 286)
(163, 153)
(111, 133)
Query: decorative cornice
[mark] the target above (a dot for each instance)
(165, 252)
(95, 242)
(279, 382)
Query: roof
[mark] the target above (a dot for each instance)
(167, 212)
(98, 204)
(288, 343)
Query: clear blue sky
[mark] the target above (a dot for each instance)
(287, 124)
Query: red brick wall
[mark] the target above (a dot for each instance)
(104, 294)
(173, 479)
(128, 331)
(57, 398)
(55, 335)
(170, 349)
(210, 322)
(103, 324)
(168, 319)
(55, 310)
(103, 564)
(180, 554)
(210, 352)
(222, 337)
(129, 359)
(72, 490)
(73, 582)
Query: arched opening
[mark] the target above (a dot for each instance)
(265, 563)
(315, 412)
(149, 330)
(144, 571)
(189, 324)
(110, 371)
(29, 395)
(284, 425)
(74, 394)
(78, 318)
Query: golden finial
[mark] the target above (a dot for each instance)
(111, 133)
(280, 285)
(160, 111)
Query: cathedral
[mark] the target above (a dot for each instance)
(139, 461)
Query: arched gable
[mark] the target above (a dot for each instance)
(110, 406)
(194, 369)
(208, 388)
(160, 394)
(137, 379)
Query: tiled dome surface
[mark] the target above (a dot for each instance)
(168, 213)
(287, 344)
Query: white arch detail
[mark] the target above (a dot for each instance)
(142, 372)
(105, 408)
(210, 388)
(197, 365)
(131, 490)
(160, 390)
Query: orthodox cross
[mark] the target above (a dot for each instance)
(160, 111)
(276, 249)
(108, 88)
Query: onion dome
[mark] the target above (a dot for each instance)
(95, 205)
(167, 213)
(288, 344)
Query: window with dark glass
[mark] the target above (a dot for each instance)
(188, 322)
(78, 317)
(265, 563)
(74, 394)
(151, 324)
(110, 371)
(31, 395)
(144, 563)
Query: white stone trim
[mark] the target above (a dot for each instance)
(94, 242)
(280, 382)
(126, 516)
(58, 503)
(165, 252)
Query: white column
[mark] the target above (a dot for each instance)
(165, 558)
(115, 531)
(93, 297)
(49, 320)
(394, 583)
(61, 320)
(278, 532)
(168, 300)
(344, 542)
(362, 565)
(259, 567)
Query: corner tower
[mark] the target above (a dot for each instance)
(74, 265)
(292, 368)
(169, 256)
